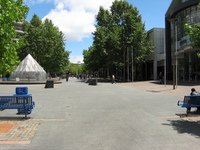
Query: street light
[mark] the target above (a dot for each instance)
(175, 68)
(132, 61)
(165, 64)
(128, 64)
(77, 69)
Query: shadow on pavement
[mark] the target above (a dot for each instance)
(182, 83)
(184, 126)
(189, 125)
(12, 119)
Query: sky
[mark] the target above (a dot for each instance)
(76, 18)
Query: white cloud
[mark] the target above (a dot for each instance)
(76, 18)
(75, 24)
(76, 59)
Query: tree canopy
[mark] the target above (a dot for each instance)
(11, 11)
(120, 36)
(46, 44)
(194, 33)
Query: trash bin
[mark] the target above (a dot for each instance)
(49, 84)
(93, 82)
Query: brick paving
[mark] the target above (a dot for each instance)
(23, 131)
(6, 127)
(154, 86)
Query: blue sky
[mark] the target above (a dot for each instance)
(76, 18)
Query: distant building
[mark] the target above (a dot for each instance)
(157, 65)
(179, 53)
(19, 30)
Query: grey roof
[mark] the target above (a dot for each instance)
(29, 69)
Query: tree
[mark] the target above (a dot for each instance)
(32, 38)
(11, 11)
(194, 33)
(119, 36)
(46, 44)
(52, 49)
(75, 68)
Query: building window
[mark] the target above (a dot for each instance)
(190, 16)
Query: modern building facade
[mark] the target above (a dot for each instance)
(182, 63)
(157, 36)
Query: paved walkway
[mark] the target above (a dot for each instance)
(153, 86)
(122, 116)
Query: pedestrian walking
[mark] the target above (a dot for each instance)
(160, 78)
(113, 79)
(67, 77)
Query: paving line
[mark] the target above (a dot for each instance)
(170, 117)
(15, 142)
(48, 119)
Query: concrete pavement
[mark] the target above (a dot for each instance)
(183, 88)
(76, 116)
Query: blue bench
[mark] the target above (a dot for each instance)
(189, 102)
(21, 101)
(6, 79)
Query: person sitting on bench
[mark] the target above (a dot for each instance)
(194, 92)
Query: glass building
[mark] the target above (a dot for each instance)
(182, 62)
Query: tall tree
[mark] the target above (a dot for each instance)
(11, 11)
(46, 44)
(119, 36)
(33, 37)
(52, 48)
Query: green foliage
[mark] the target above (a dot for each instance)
(11, 11)
(76, 68)
(119, 32)
(46, 44)
(194, 33)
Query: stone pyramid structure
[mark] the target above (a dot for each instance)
(29, 69)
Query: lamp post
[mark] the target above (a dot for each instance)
(127, 64)
(165, 64)
(132, 61)
(175, 53)
(77, 69)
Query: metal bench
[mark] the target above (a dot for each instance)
(21, 101)
(189, 102)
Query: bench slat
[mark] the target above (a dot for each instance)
(23, 103)
(16, 107)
